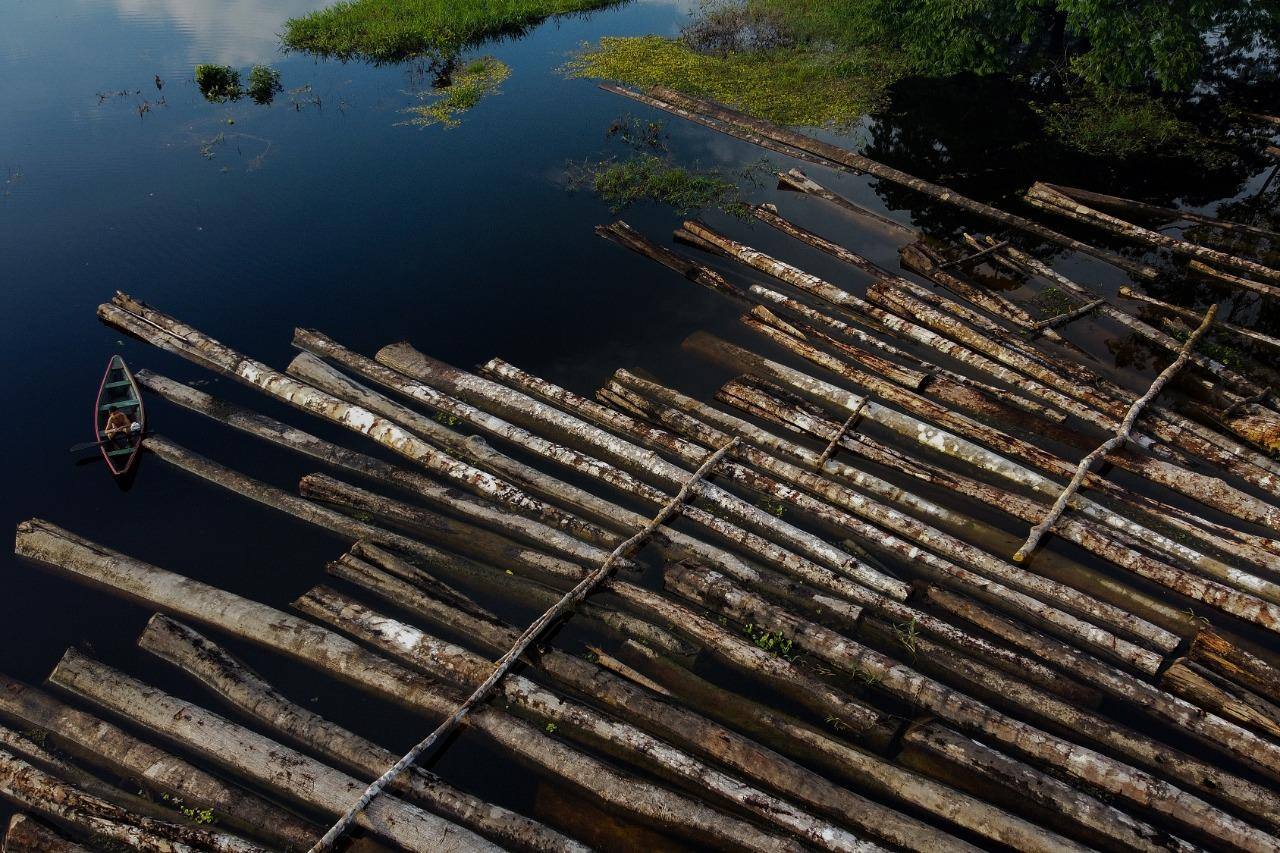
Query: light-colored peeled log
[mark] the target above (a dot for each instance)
(171, 334)
(1162, 214)
(407, 360)
(286, 772)
(246, 691)
(340, 658)
(101, 744)
(1047, 198)
(1236, 602)
(511, 656)
(1172, 804)
(670, 721)
(1122, 435)
(915, 550)
(38, 792)
(454, 663)
(743, 126)
(283, 435)
(1268, 290)
(28, 835)
(1221, 696)
(1114, 616)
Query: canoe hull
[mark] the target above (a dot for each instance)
(119, 392)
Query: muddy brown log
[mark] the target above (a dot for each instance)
(101, 744)
(672, 722)
(338, 657)
(1237, 664)
(28, 835)
(1121, 780)
(458, 665)
(747, 127)
(38, 792)
(1046, 198)
(284, 771)
(1221, 696)
(246, 691)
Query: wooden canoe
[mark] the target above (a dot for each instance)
(119, 393)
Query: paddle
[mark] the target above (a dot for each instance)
(88, 445)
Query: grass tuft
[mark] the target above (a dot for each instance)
(218, 83)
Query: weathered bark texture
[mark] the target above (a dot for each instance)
(1235, 663)
(246, 691)
(1267, 290)
(1221, 696)
(28, 835)
(1251, 335)
(1161, 214)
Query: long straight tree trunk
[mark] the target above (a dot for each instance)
(340, 658)
(246, 691)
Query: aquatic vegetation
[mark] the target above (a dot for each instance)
(622, 183)
(795, 86)
(1118, 123)
(218, 83)
(391, 30)
(264, 83)
(638, 132)
(467, 87)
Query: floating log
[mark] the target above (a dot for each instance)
(1163, 214)
(413, 363)
(1221, 696)
(1267, 290)
(333, 655)
(1065, 317)
(1121, 436)
(1217, 653)
(28, 835)
(33, 790)
(1028, 602)
(1251, 335)
(1120, 780)
(101, 744)
(454, 663)
(745, 127)
(1046, 198)
(798, 181)
(243, 752)
(174, 336)
(675, 724)
(246, 691)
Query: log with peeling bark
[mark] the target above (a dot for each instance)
(677, 725)
(750, 129)
(1207, 489)
(1250, 335)
(841, 760)
(461, 666)
(98, 743)
(1122, 435)
(172, 335)
(1229, 599)
(283, 771)
(1220, 655)
(1161, 214)
(40, 793)
(1221, 696)
(28, 835)
(682, 414)
(713, 590)
(245, 690)
(991, 582)
(522, 407)
(1045, 197)
(1269, 291)
(797, 181)
(339, 658)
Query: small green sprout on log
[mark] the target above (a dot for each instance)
(908, 636)
(774, 642)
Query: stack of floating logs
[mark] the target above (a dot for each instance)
(886, 659)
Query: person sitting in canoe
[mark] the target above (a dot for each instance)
(119, 425)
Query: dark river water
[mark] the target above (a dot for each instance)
(322, 210)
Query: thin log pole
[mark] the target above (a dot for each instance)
(1268, 291)
(40, 793)
(1251, 335)
(246, 691)
(745, 127)
(797, 181)
(535, 630)
(101, 744)
(1164, 214)
(1121, 436)
(1046, 198)
(340, 658)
